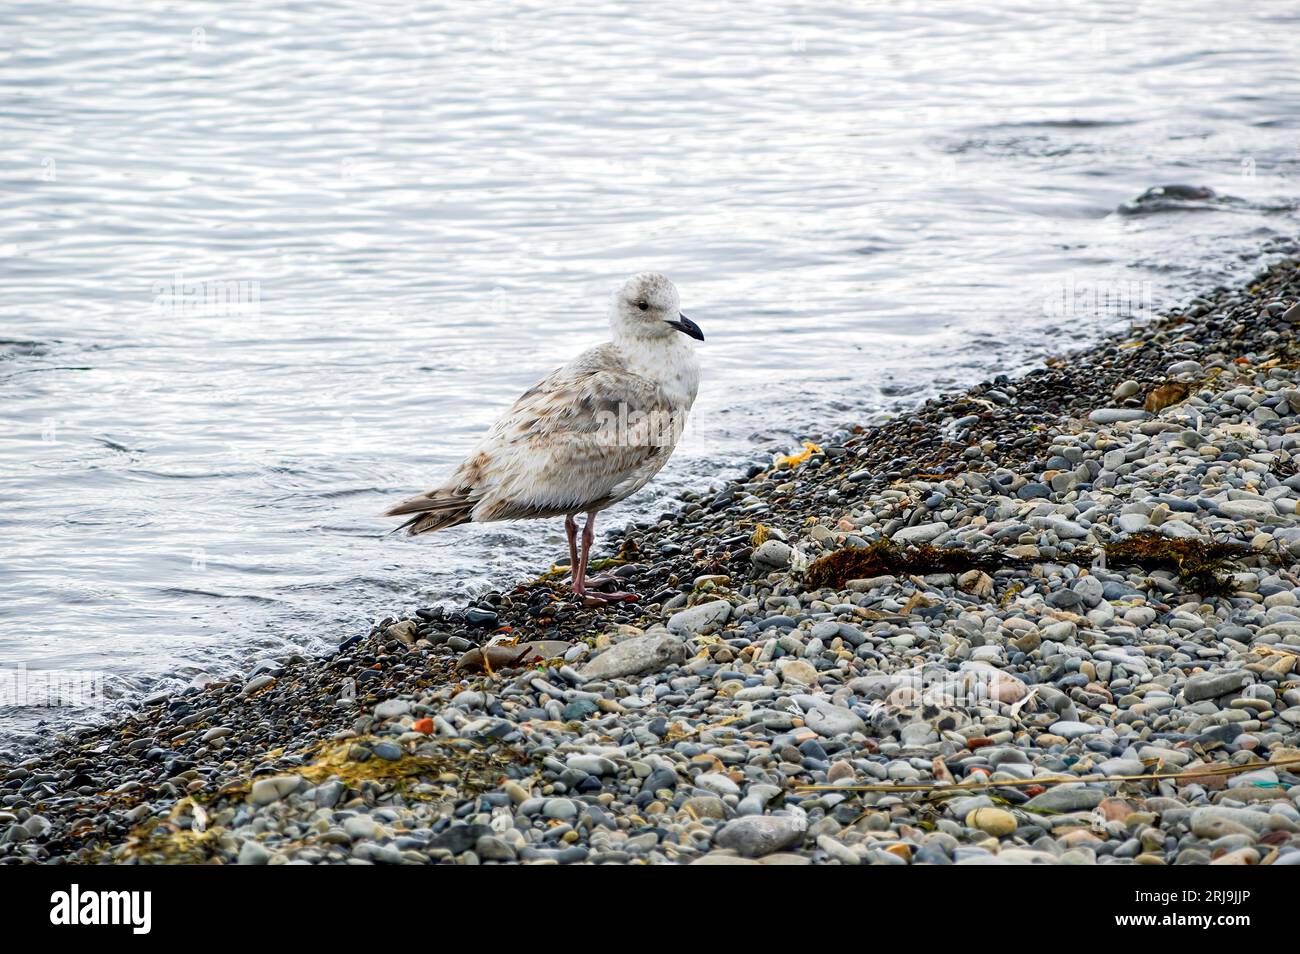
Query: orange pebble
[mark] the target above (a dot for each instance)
(423, 725)
(900, 849)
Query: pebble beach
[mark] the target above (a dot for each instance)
(1049, 620)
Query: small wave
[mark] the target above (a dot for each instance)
(245, 597)
(14, 374)
(203, 475)
(333, 494)
(22, 348)
(1021, 147)
(1065, 124)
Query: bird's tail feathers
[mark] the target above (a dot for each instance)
(429, 522)
(433, 512)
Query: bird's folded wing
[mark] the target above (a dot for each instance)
(572, 440)
(574, 403)
(590, 432)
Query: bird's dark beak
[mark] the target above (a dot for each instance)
(687, 327)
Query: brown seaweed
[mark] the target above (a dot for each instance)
(1199, 564)
(884, 557)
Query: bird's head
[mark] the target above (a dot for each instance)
(647, 306)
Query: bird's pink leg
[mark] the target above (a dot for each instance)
(580, 579)
(571, 530)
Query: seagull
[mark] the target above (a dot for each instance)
(591, 433)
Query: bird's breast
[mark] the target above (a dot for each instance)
(680, 377)
(670, 365)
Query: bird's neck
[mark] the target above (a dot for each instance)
(668, 361)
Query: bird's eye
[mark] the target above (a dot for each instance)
(643, 304)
